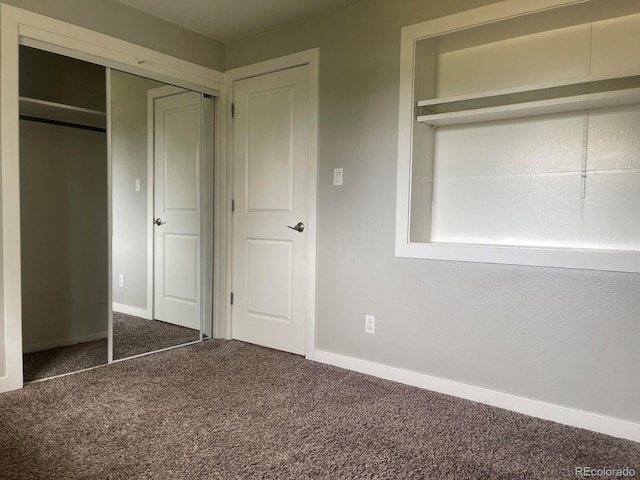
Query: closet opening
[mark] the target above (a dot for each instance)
(63, 214)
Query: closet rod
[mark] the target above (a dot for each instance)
(62, 124)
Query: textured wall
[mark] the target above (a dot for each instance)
(120, 21)
(567, 337)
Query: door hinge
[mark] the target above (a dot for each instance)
(231, 298)
(233, 110)
(233, 205)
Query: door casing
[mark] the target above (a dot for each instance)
(310, 58)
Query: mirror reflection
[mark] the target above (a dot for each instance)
(156, 145)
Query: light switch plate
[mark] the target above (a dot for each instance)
(137, 184)
(337, 177)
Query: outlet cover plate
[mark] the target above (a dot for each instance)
(370, 324)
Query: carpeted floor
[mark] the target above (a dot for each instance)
(135, 335)
(131, 336)
(60, 360)
(225, 409)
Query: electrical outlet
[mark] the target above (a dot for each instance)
(137, 184)
(370, 324)
(121, 280)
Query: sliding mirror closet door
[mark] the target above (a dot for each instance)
(63, 213)
(159, 136)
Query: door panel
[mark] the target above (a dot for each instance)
(271, 143)
(180, 127)
(271, 150)
(266, 260)
(177, 144)
(180, 262)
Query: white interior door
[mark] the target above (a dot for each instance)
(177, 205)
(271, 154)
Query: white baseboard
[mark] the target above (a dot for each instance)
(128, 310)
(64, 342)
(567, 416)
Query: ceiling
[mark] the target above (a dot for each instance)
(226, 20)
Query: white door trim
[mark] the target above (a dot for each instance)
(56, 36)
(18, 26)
(310, 58)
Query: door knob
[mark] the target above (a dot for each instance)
(158, 221)
(298, 228)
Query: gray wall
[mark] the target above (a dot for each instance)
(130, 216)
(567, 337)
(120, 21)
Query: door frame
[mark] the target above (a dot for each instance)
(311, 58)
(23, 27)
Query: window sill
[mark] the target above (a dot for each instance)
(583, 259)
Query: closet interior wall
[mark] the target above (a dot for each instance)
(64, 205)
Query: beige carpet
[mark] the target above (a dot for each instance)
(131, 336)
(227, 410)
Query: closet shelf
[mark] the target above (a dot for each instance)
(517, 103)
(58, 112)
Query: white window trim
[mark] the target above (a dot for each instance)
(22, 27)
(590, 259)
